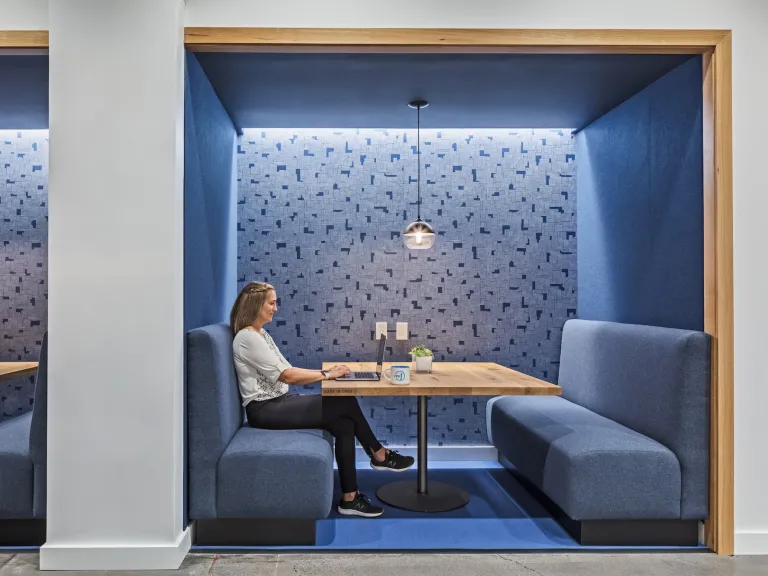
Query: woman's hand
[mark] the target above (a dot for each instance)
(338, 371)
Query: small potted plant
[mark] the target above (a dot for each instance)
(422, 358)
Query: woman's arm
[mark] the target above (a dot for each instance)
(302, 377)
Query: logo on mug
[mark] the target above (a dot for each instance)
(399, 374)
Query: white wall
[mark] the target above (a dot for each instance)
(749, 21)
(115, 311)
(23, 14)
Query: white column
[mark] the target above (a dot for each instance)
(115, 311)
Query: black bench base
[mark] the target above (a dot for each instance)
(22, 532)
(254, 532)
(613, 532)
(633, 532)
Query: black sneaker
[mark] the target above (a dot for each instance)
(393, 461)
(360, 506)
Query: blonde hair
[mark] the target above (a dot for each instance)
(248, 305)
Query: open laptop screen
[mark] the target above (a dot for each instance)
(380, 353)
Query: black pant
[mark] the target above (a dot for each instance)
(340, 415)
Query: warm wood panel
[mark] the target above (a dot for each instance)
(531, 40)
(720, 527)
(710, 272)
(446, 379)
(437, 49)
(10, 370)
(708, 125)
(23, 39)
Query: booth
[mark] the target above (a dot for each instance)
(24, 281)
(566, 195)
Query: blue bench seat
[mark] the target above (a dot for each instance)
(625, 451)
(579, 458)
(276, 474)
(247, 486)
(16, 473)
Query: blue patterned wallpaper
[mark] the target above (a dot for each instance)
(320, 216)
(24, 258)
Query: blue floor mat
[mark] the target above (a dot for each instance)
(501, 515)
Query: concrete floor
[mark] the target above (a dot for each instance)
(688, 564)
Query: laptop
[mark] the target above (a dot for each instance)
(369, 375)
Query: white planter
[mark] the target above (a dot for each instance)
(422, 363)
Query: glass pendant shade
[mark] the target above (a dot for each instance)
(419, 236)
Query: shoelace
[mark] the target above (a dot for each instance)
(364, 498)
(394, 455)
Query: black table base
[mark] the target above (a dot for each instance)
(420, 495)
(440, 497)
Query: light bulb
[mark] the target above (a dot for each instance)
(418, 238)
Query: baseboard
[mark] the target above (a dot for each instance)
(750, 543)
(443, 453)
(106, 557)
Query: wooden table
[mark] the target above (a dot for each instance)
(10, 370)
(446, 379)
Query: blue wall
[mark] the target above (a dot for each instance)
(210, 215)
(24, 97)
(640, 207)
(23, 259)
(467, 91)
(321, 214)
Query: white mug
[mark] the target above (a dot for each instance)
(400, 375)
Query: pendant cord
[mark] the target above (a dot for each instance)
(418, 159)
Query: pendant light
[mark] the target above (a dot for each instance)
(419, 235)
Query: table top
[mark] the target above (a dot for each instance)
(9, 370)
(446, 379)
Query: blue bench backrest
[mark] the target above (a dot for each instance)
(214, 412)
(650, 379)
(38, 440)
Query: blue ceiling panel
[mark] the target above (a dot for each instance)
(23, 92)
(331, 90)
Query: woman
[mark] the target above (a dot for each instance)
(264, 374)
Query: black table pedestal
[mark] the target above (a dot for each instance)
(420, 495)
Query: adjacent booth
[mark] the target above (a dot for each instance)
(24, 245)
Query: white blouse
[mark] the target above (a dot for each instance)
(258, 364)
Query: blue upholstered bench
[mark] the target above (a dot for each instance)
(22, 467)
(247, 486)
(622, 458)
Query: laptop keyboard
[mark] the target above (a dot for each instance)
(363, 374)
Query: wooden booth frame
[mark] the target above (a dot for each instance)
(715, 48)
